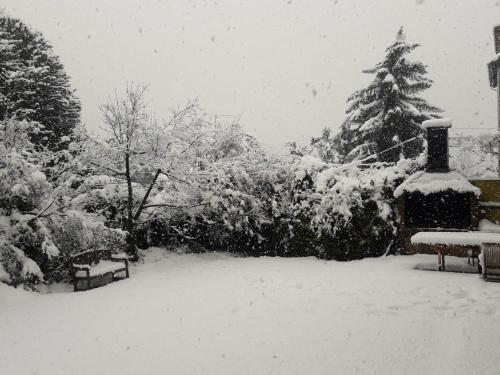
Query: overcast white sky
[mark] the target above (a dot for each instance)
(285, 66)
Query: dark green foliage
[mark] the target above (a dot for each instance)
(367, 235)
(13, 265)
(34, 85)
(389, 111)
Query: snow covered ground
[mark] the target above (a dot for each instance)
(215, 314)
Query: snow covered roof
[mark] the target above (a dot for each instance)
(455, 238)
(437, 123)
(428, 183)
(487, 226)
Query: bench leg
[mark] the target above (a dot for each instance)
(441, 266)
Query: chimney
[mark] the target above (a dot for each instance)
(496, 34)
(494, 67)
(437, 145)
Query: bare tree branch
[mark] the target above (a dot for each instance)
(174, 206)
(175, 178)
(108, 168)
(146, 196)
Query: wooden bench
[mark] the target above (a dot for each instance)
(94, 268)
(490, 260)
(459, 244)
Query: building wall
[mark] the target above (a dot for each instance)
(489, 201)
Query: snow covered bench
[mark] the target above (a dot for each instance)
(94, 268)
(455, 243)
(490, 259)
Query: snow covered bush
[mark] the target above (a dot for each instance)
(77, 231)
(16, 268)
(349, 207)
(23, 190)
(223, 210)
(39, 230)
(256, 205)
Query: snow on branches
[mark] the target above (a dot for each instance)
(389, 111)
(34, 85)
(38, 228)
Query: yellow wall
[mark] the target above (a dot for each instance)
(490, 192)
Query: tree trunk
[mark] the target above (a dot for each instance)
(146, 196)
(130, 224)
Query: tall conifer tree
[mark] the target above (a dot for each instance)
(34, 85)
(389, 111)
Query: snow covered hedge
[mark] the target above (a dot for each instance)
(349, 208)
(289, 207)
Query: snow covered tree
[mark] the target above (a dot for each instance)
(127, 120)
(138, 155)
(34, 85)
(326, 147)
(389, 112)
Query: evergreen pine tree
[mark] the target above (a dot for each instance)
(34, 85)
(389, 111)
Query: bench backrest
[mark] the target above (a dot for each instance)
(491, 255)
(91, 257)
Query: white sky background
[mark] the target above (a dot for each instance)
(287, 67)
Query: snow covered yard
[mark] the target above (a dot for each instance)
(216, 314)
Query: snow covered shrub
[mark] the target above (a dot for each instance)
(16, 268)
(287, 207)
(246, 209)
(212, 194)
(27, 247)
(297, 235)
(38, 229)
(105, 196)
(349, 208)
(232, 210)
(23, 191)
(76, 232)
(365, 234)
(227, 217)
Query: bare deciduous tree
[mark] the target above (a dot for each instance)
(140, 148)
